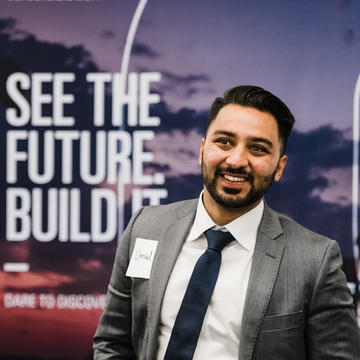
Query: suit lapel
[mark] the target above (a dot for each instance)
(267, 256)
(166, 255)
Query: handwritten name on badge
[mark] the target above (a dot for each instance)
(142, 258)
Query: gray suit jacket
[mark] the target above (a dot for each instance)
(297, 304)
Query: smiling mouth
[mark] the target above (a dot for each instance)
(235, 178)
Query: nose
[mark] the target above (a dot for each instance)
(237, 158)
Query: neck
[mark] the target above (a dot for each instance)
(223, 215)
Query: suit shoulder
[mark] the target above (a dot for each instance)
(300, 233)
(306, 249)
(174, 210)
(153, 222)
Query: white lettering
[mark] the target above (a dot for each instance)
(97, 233)
(17, 216)
(11, 87)
(146, 99)
(60, 99)
(99, 80)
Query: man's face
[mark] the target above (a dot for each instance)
(240, 157)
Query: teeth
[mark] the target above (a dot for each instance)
(233, 178)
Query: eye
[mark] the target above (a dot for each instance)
(223, 141)
(258, 149)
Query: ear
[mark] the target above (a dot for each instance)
(280, 168)
(201, 150)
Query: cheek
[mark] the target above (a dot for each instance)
(208, 162)
(213, 156)
(264, 168)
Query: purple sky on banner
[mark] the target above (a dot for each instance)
(283, 46)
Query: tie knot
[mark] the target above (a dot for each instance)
(217, 240)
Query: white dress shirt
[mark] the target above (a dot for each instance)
(220, 334)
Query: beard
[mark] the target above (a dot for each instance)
(232, 197)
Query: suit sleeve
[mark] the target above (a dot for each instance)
(331, 330)
(112, 339)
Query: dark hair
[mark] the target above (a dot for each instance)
(260, 99)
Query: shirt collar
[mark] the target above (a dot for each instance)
(244, 228)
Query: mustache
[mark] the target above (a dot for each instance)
(235, 171)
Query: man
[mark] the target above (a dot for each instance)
(279, 292)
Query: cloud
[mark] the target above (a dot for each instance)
(175, 87)
(8, 28)
(339, 181)
(343, 4)
(185, 86)
(190, 186)
(141, 49)
(177, 152)
(32, 281)
(7, 25)
(184, 119)
(107, 34)
(349, 36)
(324, 147)
(17, 252)
(315, 188)
(87, 265)
(35, 55)
(185, 79)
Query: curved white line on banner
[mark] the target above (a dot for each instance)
(130, 40)
(355, 169)
(123, 80)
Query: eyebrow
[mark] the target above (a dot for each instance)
(263, 140)
(224, 132)
(254, 139)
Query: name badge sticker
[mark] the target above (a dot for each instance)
(142, 258)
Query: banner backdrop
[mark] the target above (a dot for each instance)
(103, 105)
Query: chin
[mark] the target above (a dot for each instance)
(232, 192)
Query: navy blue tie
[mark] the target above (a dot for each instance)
(188, 323)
